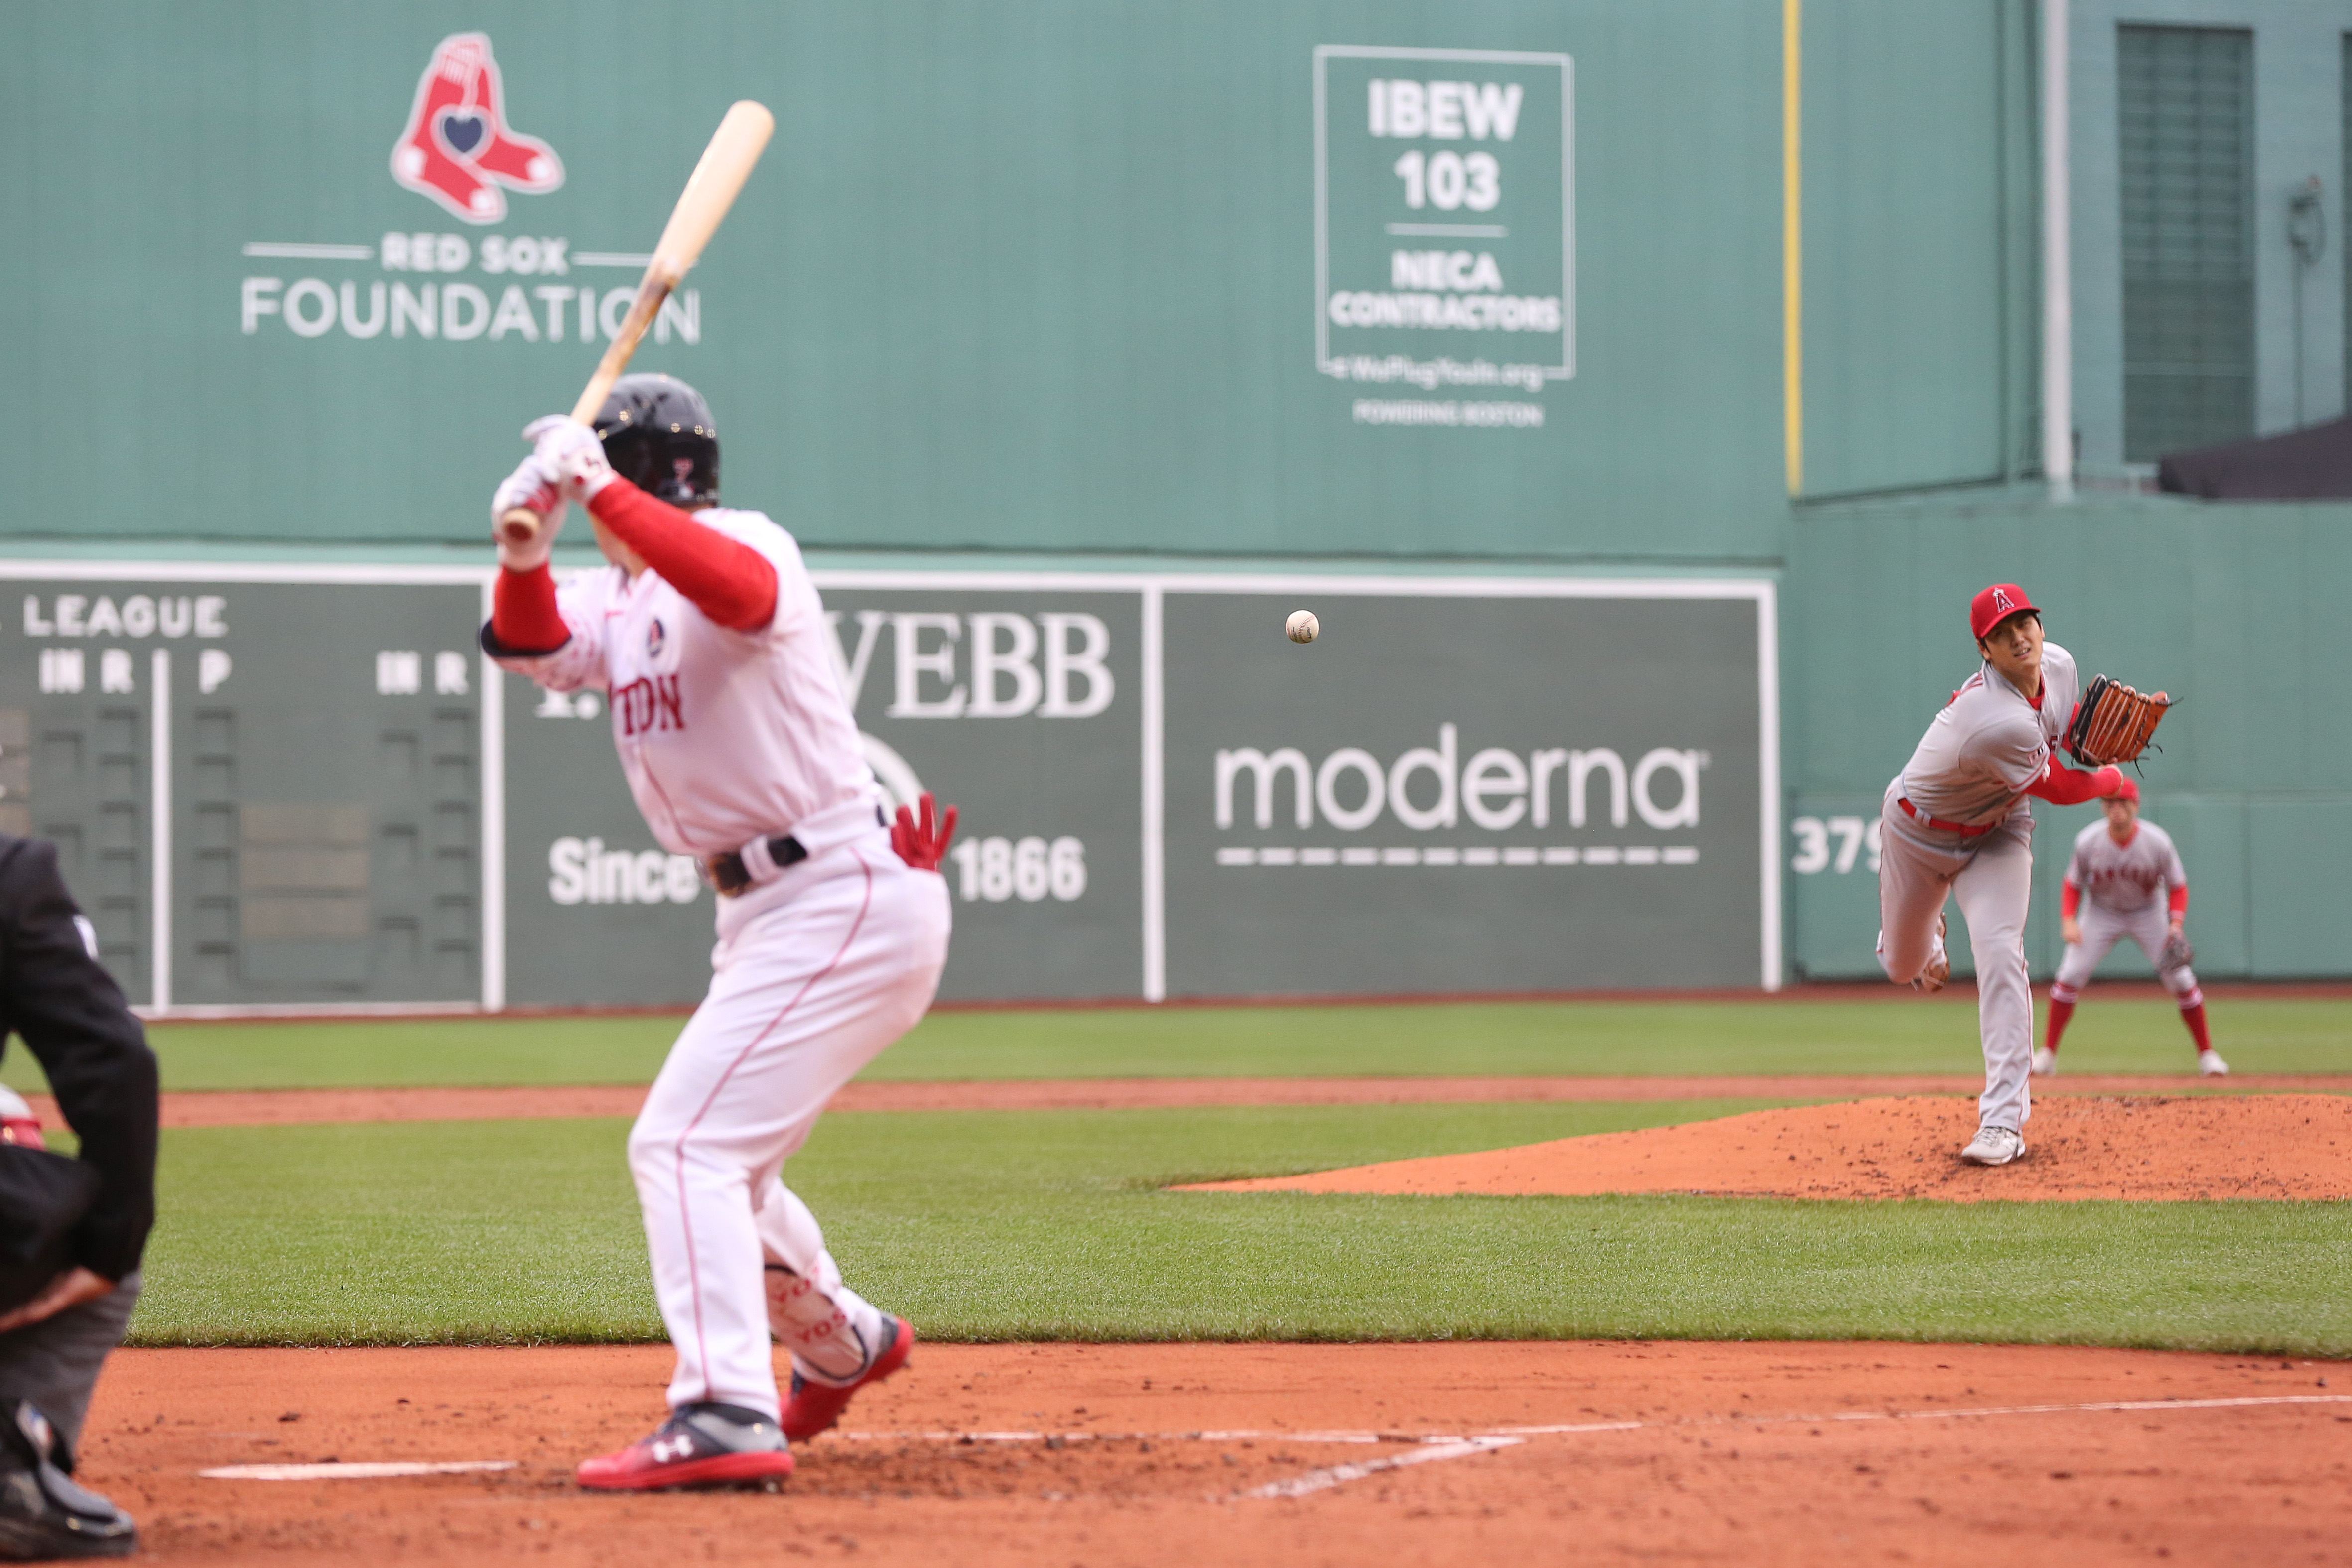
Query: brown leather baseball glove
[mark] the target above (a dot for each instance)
(2113, 723)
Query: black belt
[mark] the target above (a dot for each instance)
(728, 874)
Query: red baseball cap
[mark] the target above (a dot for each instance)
(2129, 790)
(1996, 604)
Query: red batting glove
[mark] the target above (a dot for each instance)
(925, 844)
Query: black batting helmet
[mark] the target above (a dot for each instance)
(659, 436)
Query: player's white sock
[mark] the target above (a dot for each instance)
(831, 1330)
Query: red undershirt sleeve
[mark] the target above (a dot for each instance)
(2180, 898)
(724, 578)
(523, 616)
(2070, 900)
(2062, 785)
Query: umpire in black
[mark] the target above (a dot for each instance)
(71, 1232)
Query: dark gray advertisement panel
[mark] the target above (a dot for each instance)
(598, 915)
(1469, 787)
(301, 788)
(1018, 700)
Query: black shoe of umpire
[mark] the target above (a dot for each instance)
(43, 1516)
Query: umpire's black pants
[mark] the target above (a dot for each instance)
(55, 1363)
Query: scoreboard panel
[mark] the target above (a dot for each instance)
(266, 786)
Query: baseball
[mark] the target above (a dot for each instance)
(1302, 626)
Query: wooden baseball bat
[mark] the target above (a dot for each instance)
(709, 191)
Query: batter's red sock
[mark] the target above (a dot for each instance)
(2060, 1012)
(2195, 1018)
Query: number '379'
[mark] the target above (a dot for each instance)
(1813, 837)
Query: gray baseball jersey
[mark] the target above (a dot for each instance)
(2126, 876)
(1989, 742)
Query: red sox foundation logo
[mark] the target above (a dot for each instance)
(459, 148)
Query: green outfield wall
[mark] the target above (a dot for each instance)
(1550, 350)
(1058, 275)
(2237, 611)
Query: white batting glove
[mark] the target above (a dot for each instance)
(531, 488)
(572, 453)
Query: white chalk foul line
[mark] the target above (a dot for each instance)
(2108, 1404)
(389, 1469)
(1338, 1475)
(1567, 1428)
(1237, 1435)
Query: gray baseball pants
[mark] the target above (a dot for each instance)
(2102, 927)
(55, 1363)
(1992, 878)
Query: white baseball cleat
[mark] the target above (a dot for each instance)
(1994, 1146)
(2045, 1061)
(2211, 1065)
(1939, 967)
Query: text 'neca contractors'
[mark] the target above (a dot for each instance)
(1459, 313)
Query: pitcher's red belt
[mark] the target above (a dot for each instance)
(1964, 829)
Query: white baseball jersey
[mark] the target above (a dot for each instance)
(2126, 876)
(1989, 742)
(726, 736)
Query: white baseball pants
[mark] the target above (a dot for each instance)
(1992, 878)
(815, 972)
(2148, 925)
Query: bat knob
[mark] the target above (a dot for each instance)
(519, 525)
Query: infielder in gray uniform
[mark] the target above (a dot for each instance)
(2126, 880)
(1955, 824)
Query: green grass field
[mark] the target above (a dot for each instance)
(1885, 1033)
(998, 1225)
(1028, 1225)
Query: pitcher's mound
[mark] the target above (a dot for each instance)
(2140, 1148)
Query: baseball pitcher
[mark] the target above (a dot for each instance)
(706, 635)
(1955, 824)
(2126, 880)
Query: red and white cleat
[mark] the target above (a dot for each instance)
(817, 1407)
(702, 1445)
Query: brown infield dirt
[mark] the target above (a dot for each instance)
(1290, 1454)
(2142, 1148)
(286, 1107)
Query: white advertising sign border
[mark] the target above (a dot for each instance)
(1567, 66)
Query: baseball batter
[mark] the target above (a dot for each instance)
(708, 640)
(2126, 880)
(1955, 824)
